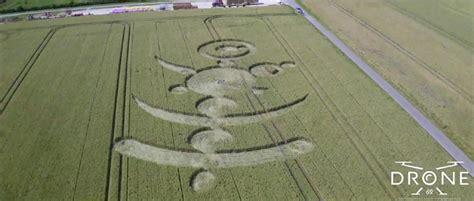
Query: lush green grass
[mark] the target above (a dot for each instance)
(76, 100)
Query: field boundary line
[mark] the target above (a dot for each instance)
(423, 121)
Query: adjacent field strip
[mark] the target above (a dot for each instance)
(437, 134)
(409, 54)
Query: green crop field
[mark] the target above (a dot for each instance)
(220, 104)
(423, 47)
(452, 18)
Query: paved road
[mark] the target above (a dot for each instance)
(436, 133)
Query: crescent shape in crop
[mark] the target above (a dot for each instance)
(186, 70)
(228, 120)
(164, 156)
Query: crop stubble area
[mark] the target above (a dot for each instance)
(69, 88)
(423, 47)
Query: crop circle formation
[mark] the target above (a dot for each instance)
(221, 81)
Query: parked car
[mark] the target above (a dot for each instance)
(300, 11)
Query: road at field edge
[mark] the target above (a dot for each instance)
(429, 127)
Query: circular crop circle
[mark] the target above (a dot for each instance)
(203, 181)
(215, 107)
(226, 49)
(209, 140)
(219, 82)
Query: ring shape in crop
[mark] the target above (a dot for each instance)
(226, 49)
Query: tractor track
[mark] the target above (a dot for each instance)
(90, 110)
(456, 39)
(115, 120)
(12, 89)
(409, 54)
(338, 116)
(180, 177)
